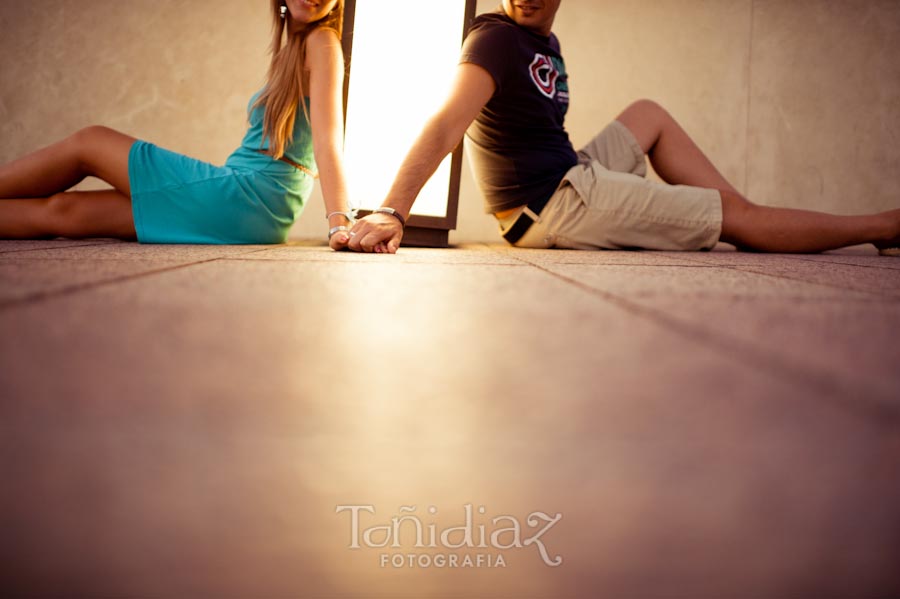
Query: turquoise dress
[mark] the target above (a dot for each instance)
(253, 199)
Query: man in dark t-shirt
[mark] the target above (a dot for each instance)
(527, 111)
(510, 98)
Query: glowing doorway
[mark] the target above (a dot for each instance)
(402, 57)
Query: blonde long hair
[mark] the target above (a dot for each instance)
(284, 91)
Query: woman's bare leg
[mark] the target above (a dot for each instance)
(679, 161)
(74, 214)
(33, 198)
(95, 151)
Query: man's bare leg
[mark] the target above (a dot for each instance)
(679, 161)
(786, 230)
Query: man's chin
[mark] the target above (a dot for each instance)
(533, 23)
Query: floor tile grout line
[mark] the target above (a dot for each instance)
(632, 264)
(875, 409)
(53, 249)
(807, 260)
(40, 296)
(814, 301)
(661, 265)
(790, 371)
(363, 261)
(133, 258)
(876, 295)
(876, 266)
(756, 271)
(71, 289)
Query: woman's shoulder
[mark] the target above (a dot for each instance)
(323, 46)
(322, 39)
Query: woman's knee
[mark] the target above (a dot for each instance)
(103, 153)
(87, 138)
(89, 142)
(60, 214)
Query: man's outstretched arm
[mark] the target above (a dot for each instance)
(471, 90)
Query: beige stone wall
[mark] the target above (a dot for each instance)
(175, 73)
(797, 101)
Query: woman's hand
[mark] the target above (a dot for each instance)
(339, 224)
(339, 241)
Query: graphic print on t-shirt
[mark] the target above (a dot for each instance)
(544, 75)
(549, 76)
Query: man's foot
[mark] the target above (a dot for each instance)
(891, 247)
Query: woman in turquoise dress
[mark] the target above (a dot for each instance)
(157, 196)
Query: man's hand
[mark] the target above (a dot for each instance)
(379, 233)
(473, 87)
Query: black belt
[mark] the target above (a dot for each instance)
(520, 227)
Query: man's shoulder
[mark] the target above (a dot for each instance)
(493, 24)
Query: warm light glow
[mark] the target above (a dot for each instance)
(403, 61)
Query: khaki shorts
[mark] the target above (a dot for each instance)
(605, 202)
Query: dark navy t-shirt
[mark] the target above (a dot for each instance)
(518, 144)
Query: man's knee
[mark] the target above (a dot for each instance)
(647, 121)
(737, 216)
(735, 203)
(645, 109)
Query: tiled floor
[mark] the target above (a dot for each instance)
(185, 421)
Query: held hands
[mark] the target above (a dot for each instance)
(379, 232)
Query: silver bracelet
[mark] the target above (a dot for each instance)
(349, 215)
(334, 230)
